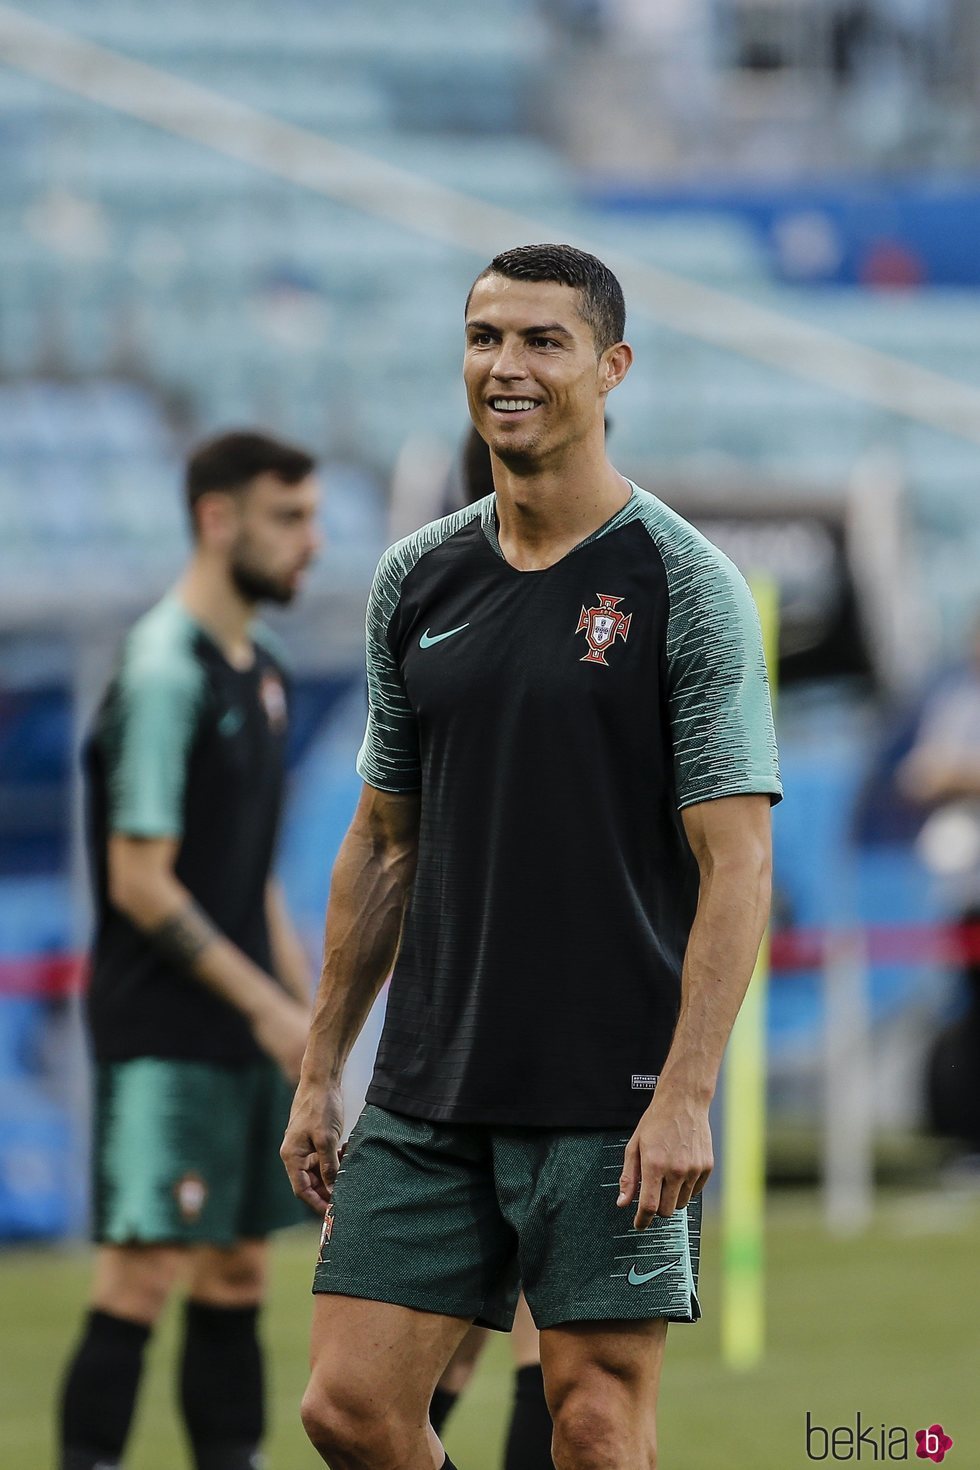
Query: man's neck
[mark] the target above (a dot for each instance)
(544, 515)
(210, 596)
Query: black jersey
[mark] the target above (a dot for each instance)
(555, 723)
(186, 746)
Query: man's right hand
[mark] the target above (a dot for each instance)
(311, 1147)
(281, 1029)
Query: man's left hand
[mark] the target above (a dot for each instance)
(668, 1159)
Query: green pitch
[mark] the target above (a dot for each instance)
(886, 1325)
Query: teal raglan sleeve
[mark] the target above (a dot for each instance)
(389, 755)
(720, 709)
(155, 710)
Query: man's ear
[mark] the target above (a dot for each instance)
(615, 363)
(217, 519)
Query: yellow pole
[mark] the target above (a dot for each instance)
(744, 1120)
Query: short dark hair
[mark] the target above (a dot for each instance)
(230, 462)
(602, 303)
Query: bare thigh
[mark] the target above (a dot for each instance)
(602, 1382)
(373, 1369)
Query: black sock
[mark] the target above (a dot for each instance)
(441, 1407)
(447, 1464)
(529, 1437)
(99, 1392)
(221, 1386)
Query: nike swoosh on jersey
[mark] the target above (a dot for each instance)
(639, 1278)
(430, 640)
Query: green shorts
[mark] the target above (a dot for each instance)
(456, 1219)
(188, 1153)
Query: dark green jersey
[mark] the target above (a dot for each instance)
(184, 746)
(555, 723)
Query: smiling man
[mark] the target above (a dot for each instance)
(562, 847)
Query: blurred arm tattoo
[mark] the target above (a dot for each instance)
(183, 937)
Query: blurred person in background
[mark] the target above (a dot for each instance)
(528, 1441)
(470, 475)
(562, 851)
(942, 774)
(199, 996)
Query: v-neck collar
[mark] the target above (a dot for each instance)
(490, 530)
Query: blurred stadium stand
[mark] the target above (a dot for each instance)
(152, 289)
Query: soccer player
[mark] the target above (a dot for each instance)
(563, 848)
(199, 996)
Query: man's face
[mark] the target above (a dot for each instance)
(277, 537)
(527, 345)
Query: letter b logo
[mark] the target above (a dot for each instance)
(817, 1440)
(933, 1443)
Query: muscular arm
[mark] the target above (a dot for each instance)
(144, 887)
(670, 1153)
(369, 891)
(288, 955)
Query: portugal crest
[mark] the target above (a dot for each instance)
(603, 625)
(325, 1233)
(191, 1193)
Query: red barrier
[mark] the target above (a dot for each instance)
(882, 944)
(53, 977)
(45, 977)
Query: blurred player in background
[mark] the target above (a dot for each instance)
(563, 847)
(941, 773)
(529, 1431)
(470, 475)
(199, 995)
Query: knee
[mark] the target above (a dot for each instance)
(325, 1427)
(235, 1277)
(346, 1428)
(135, 1282)
(142, 1297)
(596, 1426)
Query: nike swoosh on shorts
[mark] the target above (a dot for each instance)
(638, 1278)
